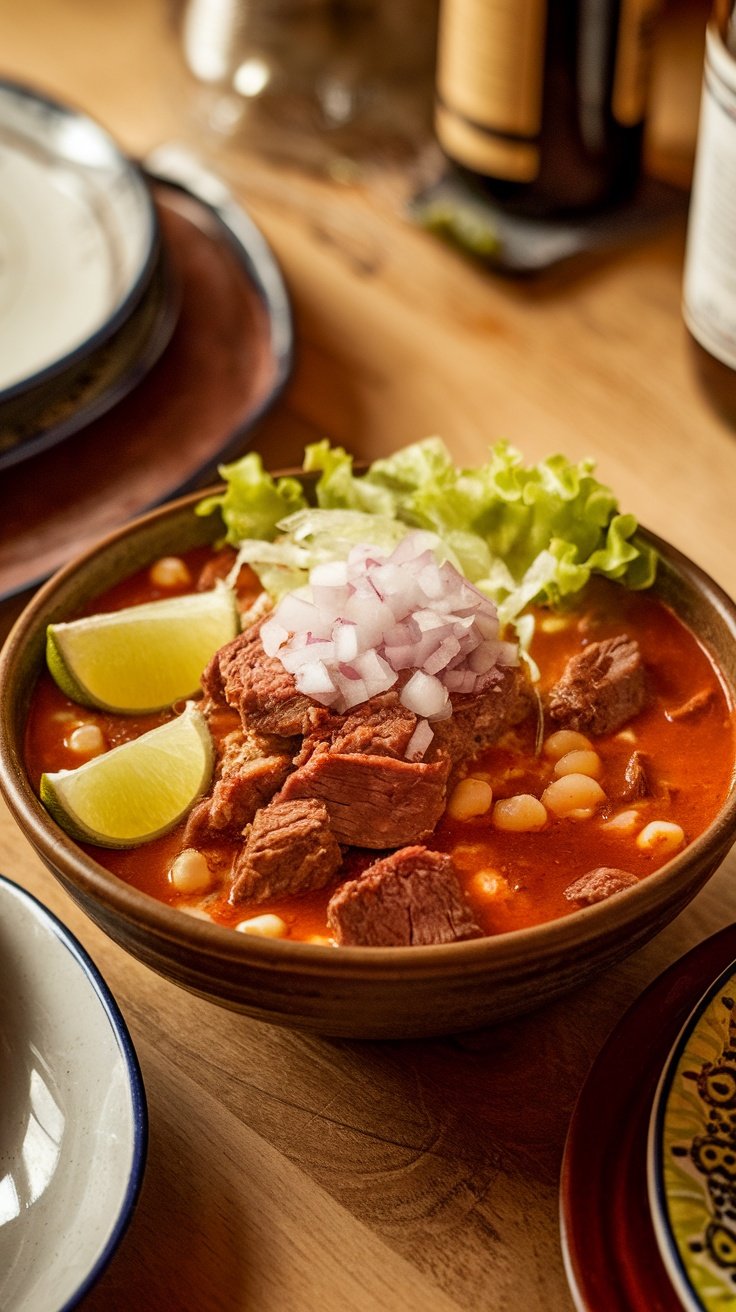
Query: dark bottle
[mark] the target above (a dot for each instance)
(541, 103)
(709, 287)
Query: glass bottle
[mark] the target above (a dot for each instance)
(541, 103)
(709, 284)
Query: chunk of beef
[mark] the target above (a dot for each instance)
(479, 720)
(598, 884)
(411, 897)
(256, 685)
(217, 567)
(380, 727)
(636, 778)
(289, 848)
(601, 688)
(373, 801)
(250, 770)
(246, 585)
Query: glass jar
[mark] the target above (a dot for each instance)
(313, 81)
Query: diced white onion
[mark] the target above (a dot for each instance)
(273, 636)
(345, 638)
(329, 574)
(424, 694)
(363, 621)
(308, 655)
(419, 741)
(314, 681)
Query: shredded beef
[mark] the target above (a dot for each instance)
(601, 687)
(479, 720)
(289, 848)
(250, 770)
(256, 685)
(218, 567)
(373, 801)
(693, 706)
(352, 766)
(380, 727)
(636, 778)
(411, 897)
(598, 884)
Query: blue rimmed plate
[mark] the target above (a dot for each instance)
(73, 1121)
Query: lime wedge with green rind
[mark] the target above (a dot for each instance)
(136, 791)
(144, 657)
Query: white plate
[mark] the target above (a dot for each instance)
(78, 237)
(73, 1124)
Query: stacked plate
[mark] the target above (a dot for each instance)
(144, 330)
(87, 302)
(648, 1193)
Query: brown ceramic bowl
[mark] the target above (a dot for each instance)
(355, 992)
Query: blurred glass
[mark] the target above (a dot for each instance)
(325, 84)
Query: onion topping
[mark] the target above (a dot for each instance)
(378, 619)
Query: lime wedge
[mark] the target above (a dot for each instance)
(135, 791)
(144, 657)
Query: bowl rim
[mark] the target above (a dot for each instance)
(550, 938)
(136, 1088)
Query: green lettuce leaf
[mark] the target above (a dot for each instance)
(253, 502)
(523, 534)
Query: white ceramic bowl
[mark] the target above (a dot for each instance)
(73, 1123)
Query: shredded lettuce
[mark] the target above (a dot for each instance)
(522, 534)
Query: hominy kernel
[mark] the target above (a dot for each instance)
(571, 793)
(170, 572)
(660, 836)
(87, 740)
(563, 741)
(626, 736)
(467, 855)
(189, 872)
(520, 814)
(579, 762)
(197, 912)
(555, 623)
(626, 822)
(263, 926)
(488, 883)
(471, 797)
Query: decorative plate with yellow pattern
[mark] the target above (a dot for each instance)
(692, 1154)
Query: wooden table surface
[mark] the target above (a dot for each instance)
(290, 1172)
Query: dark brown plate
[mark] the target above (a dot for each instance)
(228, 360)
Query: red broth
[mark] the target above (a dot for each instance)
(513, 880)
